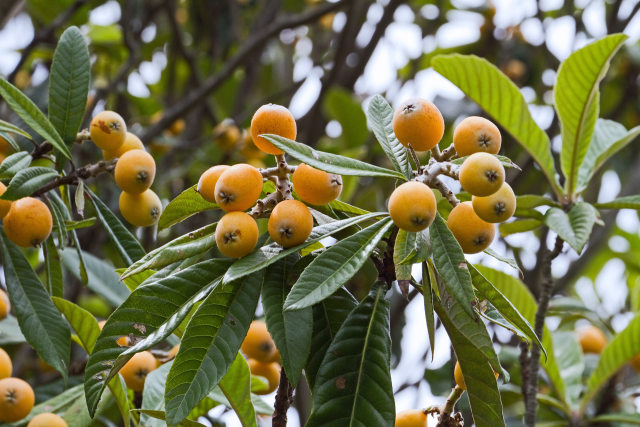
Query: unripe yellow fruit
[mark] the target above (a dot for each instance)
(238, 188)
(135, 171)
(135, 371)
(315, 186)
(5, 305)
(108, 130)
(123, 341)
(258, 343)
(481, 174)
(290, 223)
(5, 147)
(207, 182)
(274, 119)
(411, 418)
(472, 233)
(497, 207)
(47, 419)
(131, 142)
(226, 134)
(592, 339)
(271, 371)
(5, 205)
(28, 222)
(177, 127)
(141, 210)
(236, 234)
(16, 399)
(457, 375)
(6, 367)
(419, 123)
(412, 206)
(476, 134)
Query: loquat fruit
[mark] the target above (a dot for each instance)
(177, 127)
(5, 205)
(16, 399)
(135, 171)
(270, 371)
(108, 130)
(316, 186)
(207, 182)
(412, 206)
(457, 375)
(635, 362)
(258, 343)
(419, 123)
(6, 367)
(248, 149)
(472, 233)
(290, 223)
(236, 234)
(226, 134)
(238, 187)
(497, 207)
(476, 134)
(411, 418)
(135, 371)
(131, 142)
(592, 339)
(47, 419)
(141, 210)
(5, 147)
(5, 305)
(274, 119)
(481, 174)
(276, 357)
(123, 341)
(28, 222)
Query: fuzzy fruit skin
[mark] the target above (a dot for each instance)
(472, 233)
(258, 343)
(497, 207)
(275, 119)
(635, 362)
(481, 174)
(5, 205)
(5, 305)
(592, 340)
(141, 210)
(108, 130)
(315, 186)
(28, 222)
(290, 223)
(457, 375)
(16, 399)
(236, 234)
(412, 206)
(418, 122)
(411, 418)
(207, 182)
(135, 371)
(271, 371)
(122, 341)
(47, 419)
(476, 134)
(238, 188)
(131, 142)
(135, 171)
(6, 367)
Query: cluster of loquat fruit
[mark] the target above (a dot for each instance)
(262, 355)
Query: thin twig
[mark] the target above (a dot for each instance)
(73, 177)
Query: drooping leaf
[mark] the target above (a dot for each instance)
(509, 261)
(53, 268)
(404, 244)
(153, 394)
(427, 293)
(10, 331)
(14, 164)
(570, 363)
(629, 202)
(574, 227)
(7, 127)
(186, 204)
(27, 181)
(236, 386)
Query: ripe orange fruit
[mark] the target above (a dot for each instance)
(472, 233)
(418, 122)
(290, 223)
(274, 119)
(6, 367)
(271, 371)
(412, 206)
(258, 343)
(481, 174)
(207, 182)
(28, 222)
(236, 234)
(47, 419)
(592, 339)
(5, 305)
(141, 210)
(135, 371)
(123, 341)
(497, 207)
(411, 418)
(16, 399)
(238, 187)
(135, 171)
(5, 205)
(315, 186)
(108, 130)
(131, 142)
(5, 147)
(475, 134)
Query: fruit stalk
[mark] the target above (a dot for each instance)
(445, 418)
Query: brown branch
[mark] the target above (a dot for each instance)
(284, 399)
(84, 172)
(445, 419)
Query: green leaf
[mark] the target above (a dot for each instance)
(577, 99)
(11, 128)
(450, 263)
(183, 247)
(617, 418)
(609, 137)
(502, 99)
(58, 405)
(160, 415)
(14, 164)
(10, 331)
(332, 163)
(574, 227)
(32, 116)
(519, 226)
(268, 254)
(530, 201)
(427, 293)
(69, 84)
(379, 118)
(346, 109)
(53, 267)
(353, 386)
(620, 350)
(236, 386)
(186, 204)
(629, 202)
(40, 322)
(210, 343)
(125, 243)
(153, 394)
(509, 261)
(404, 244)
(27, 181)
(291, 330)
(570, 363)
(333, 267)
